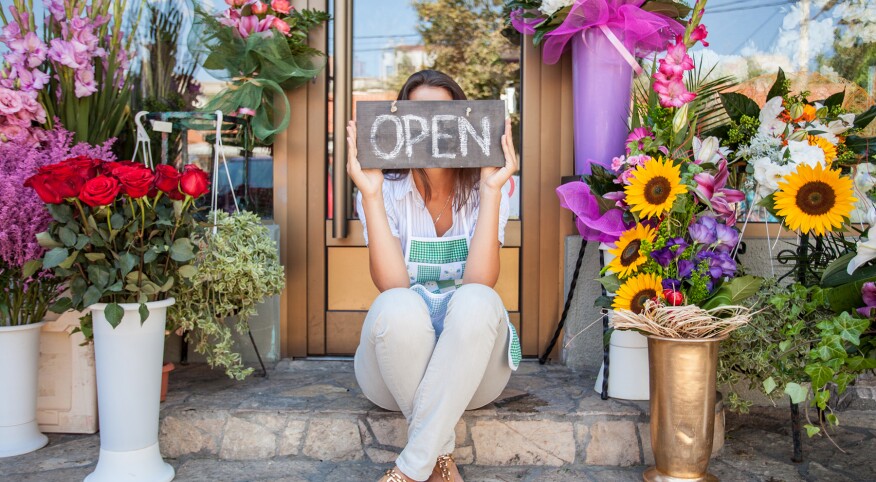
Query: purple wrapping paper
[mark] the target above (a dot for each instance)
(601, 86)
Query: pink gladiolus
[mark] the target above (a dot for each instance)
(699, 34)
(672, 91)
(32, 48)
(67, 53)
(676, 61)
(84, 83)
(280, 25)
(281, 6)
(56, 8)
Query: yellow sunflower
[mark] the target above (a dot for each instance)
(626, 251)
(814, 199)
(635, 291)
(826, 146)
(653, 187)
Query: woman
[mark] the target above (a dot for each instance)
(437, 340)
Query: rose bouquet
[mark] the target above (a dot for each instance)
(668, 213)
(262, 49)
(120, 232)
(75, 62)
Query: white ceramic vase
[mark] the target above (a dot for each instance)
(128, 361)
(627, 359)
(19, 357)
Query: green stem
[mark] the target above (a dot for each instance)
(85, 225)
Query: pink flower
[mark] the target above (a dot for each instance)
(69, 54)
(10, 101)
(84, 83)
(32, 48)
(617, 163)
(699, 34)
(676, 61)
(672, 91)
(640, 160)
(637, 136)
(30, 104)
(282, 6)
(56, 8)
(247, 25)
(10, 32)
(280, 25)
(711, 188)
(259, 8)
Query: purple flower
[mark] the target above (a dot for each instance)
(868, 293)
(32, 48)
(703, 231)
(56, 8)
(728, 238)
(592, 222)
(665, 255)
(671, 284)
(637, 137)
(685, 268)
(84, 83)
(720, 265)
(69, 54)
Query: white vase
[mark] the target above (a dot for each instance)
(19, 357)
(627, 358)
(128, 361)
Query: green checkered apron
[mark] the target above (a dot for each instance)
(435, 267)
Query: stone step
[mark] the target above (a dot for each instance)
(314, 411)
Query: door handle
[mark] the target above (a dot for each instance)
(342, 111)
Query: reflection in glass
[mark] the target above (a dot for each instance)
(392, 39)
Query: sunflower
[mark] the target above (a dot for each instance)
(814, 199)
(626, 251)
(826, 146)
(635, 291)
(653, 187)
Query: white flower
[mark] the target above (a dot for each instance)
(866, 251)
(769, 117)
(768, 174)
(865, 177)
(824, 131)
(550, 7)
(844, 123)
(803, 153)
(708, 150)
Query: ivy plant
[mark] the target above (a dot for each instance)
(238, 267)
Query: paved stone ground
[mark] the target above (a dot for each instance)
(218, 430)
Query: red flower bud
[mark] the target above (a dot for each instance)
(194, 181)
(136, 181)
(100, 191)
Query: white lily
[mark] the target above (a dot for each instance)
(769, 117)
(802, 152)
(866, 250)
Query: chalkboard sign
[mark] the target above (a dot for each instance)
(408, 134)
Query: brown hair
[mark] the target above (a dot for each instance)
(465, 179)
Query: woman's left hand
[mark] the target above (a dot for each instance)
(494, 178)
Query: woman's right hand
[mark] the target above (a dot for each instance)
(369, 181)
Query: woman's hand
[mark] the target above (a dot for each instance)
(369, 181)
(493, 178)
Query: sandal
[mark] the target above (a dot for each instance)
(443, 465)
(393, 475)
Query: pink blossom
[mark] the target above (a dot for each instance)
(712, 188)
(30, 104)
(624, 177)
(672, 91)
(56, 8)
(282, 26)
(617, 163)
(84, 83)
(281, 6)
(69, 54)
(676, 61)
(33, 49)
(259, 8)
(247, 25)
(637, 136)
(640, 160)
(10, 101)
(10, 32)
(699, 34)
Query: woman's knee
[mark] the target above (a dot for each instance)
(397, 309)
(474, 308)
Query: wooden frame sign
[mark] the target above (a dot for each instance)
(408, 134)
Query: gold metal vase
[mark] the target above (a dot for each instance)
(683, 373)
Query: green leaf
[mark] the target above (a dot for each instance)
(92, 295)
(98, 275)
(796, 392)
(114, 314)
(835, 100)
(830, 347)
(149, 256)
(812, 430)
(127, 261)
(779, 88)
(30, 268)
(769, 385)
(738, 105)
(182, 250)
(68, 263)
(62, 305)
(144, 313)
(611, 283)
(68, 237)
(863, 119)
(46, 241)
(94, 257)
(187, 271)
(55, 257)
(831, 419)
(850, 328)
(819, 374)
(61, 213)
(860, 364)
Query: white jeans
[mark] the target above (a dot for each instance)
(401, 367)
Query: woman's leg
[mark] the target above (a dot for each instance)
(394, 350)
(474, 323)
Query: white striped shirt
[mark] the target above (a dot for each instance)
(395, 195)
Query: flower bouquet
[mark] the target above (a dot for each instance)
(120, 236)
(262, 49)
(75, 63)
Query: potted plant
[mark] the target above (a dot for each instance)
(120, 237)
(238, 267)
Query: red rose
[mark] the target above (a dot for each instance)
(84, 165)
(41, 183)
(167, 179)
(109, 167)
(194, 181)
(100, 191)
(136, 181)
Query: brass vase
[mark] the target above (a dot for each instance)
(683, 373)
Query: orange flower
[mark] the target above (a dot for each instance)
(808, 113)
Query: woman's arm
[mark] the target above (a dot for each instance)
(482, 266)
(385, 256)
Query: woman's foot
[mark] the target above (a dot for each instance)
(445, 470)
(395, 475)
